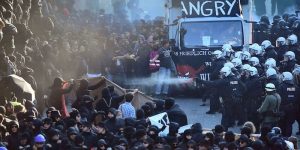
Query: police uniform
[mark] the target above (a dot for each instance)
(289, 93)
(231, 93)
(253, 98)
(287, 66)
(281, 50)
(296, 49)
(214, 95)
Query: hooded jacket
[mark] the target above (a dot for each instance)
(114, 124)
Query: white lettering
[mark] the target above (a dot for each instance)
(205, 76)
(208, 63)
(193, 53)
(209, 10)
(195, 8)
(184, 8)
(231, 5)
(219, 7)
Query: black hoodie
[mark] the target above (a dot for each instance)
(114, 124)
(197, 135)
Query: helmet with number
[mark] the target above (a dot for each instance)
(238, 54)
(255, 49)
(287, 76)
(229, 65)
(292, 39)
(236, 62)
(270, 72)
(280, 41)
(246, 67)
(217, 54)
(290, 55)
(265, 44)
(246, 55)
(225, 71)
(254, 61)
(226, 47)
(270, 63)
(253, 71)
(270, 87)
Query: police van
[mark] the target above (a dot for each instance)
(198, 27)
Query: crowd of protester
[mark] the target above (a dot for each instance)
(46, 41)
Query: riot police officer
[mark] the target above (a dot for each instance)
(275, 28)
(272, 77)
(288, 63)
(293, 46)
(256, 51)
(270, 106)
(231, 93)
(254, 95)
(217, 63)
(281, 47)
(245, 57)
(254, 62)
(289, 93)
(237, 70)
(270, 63)
(262, 30)
(227, 51)
(269, 50)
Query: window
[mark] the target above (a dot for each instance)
(211, 34)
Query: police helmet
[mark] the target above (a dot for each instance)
(236, 62)
(229, 65)
(287, 76)
(246, 66)
(265, 44)
(246, 55)
(225, 71)
(270, 63)
(217, 54)
(226, 47)
(292, 39)
(270, 87)
(256, 49)
(280, 41)
(270, 72)
(238, 54)
(290, 55)
(253, 71)
(254, 61)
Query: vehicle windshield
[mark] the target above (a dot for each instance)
(211, 34)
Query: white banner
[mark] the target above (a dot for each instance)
(160, 121)
(183, 128)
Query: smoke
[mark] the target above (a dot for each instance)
(153, 9)
(151, 81)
